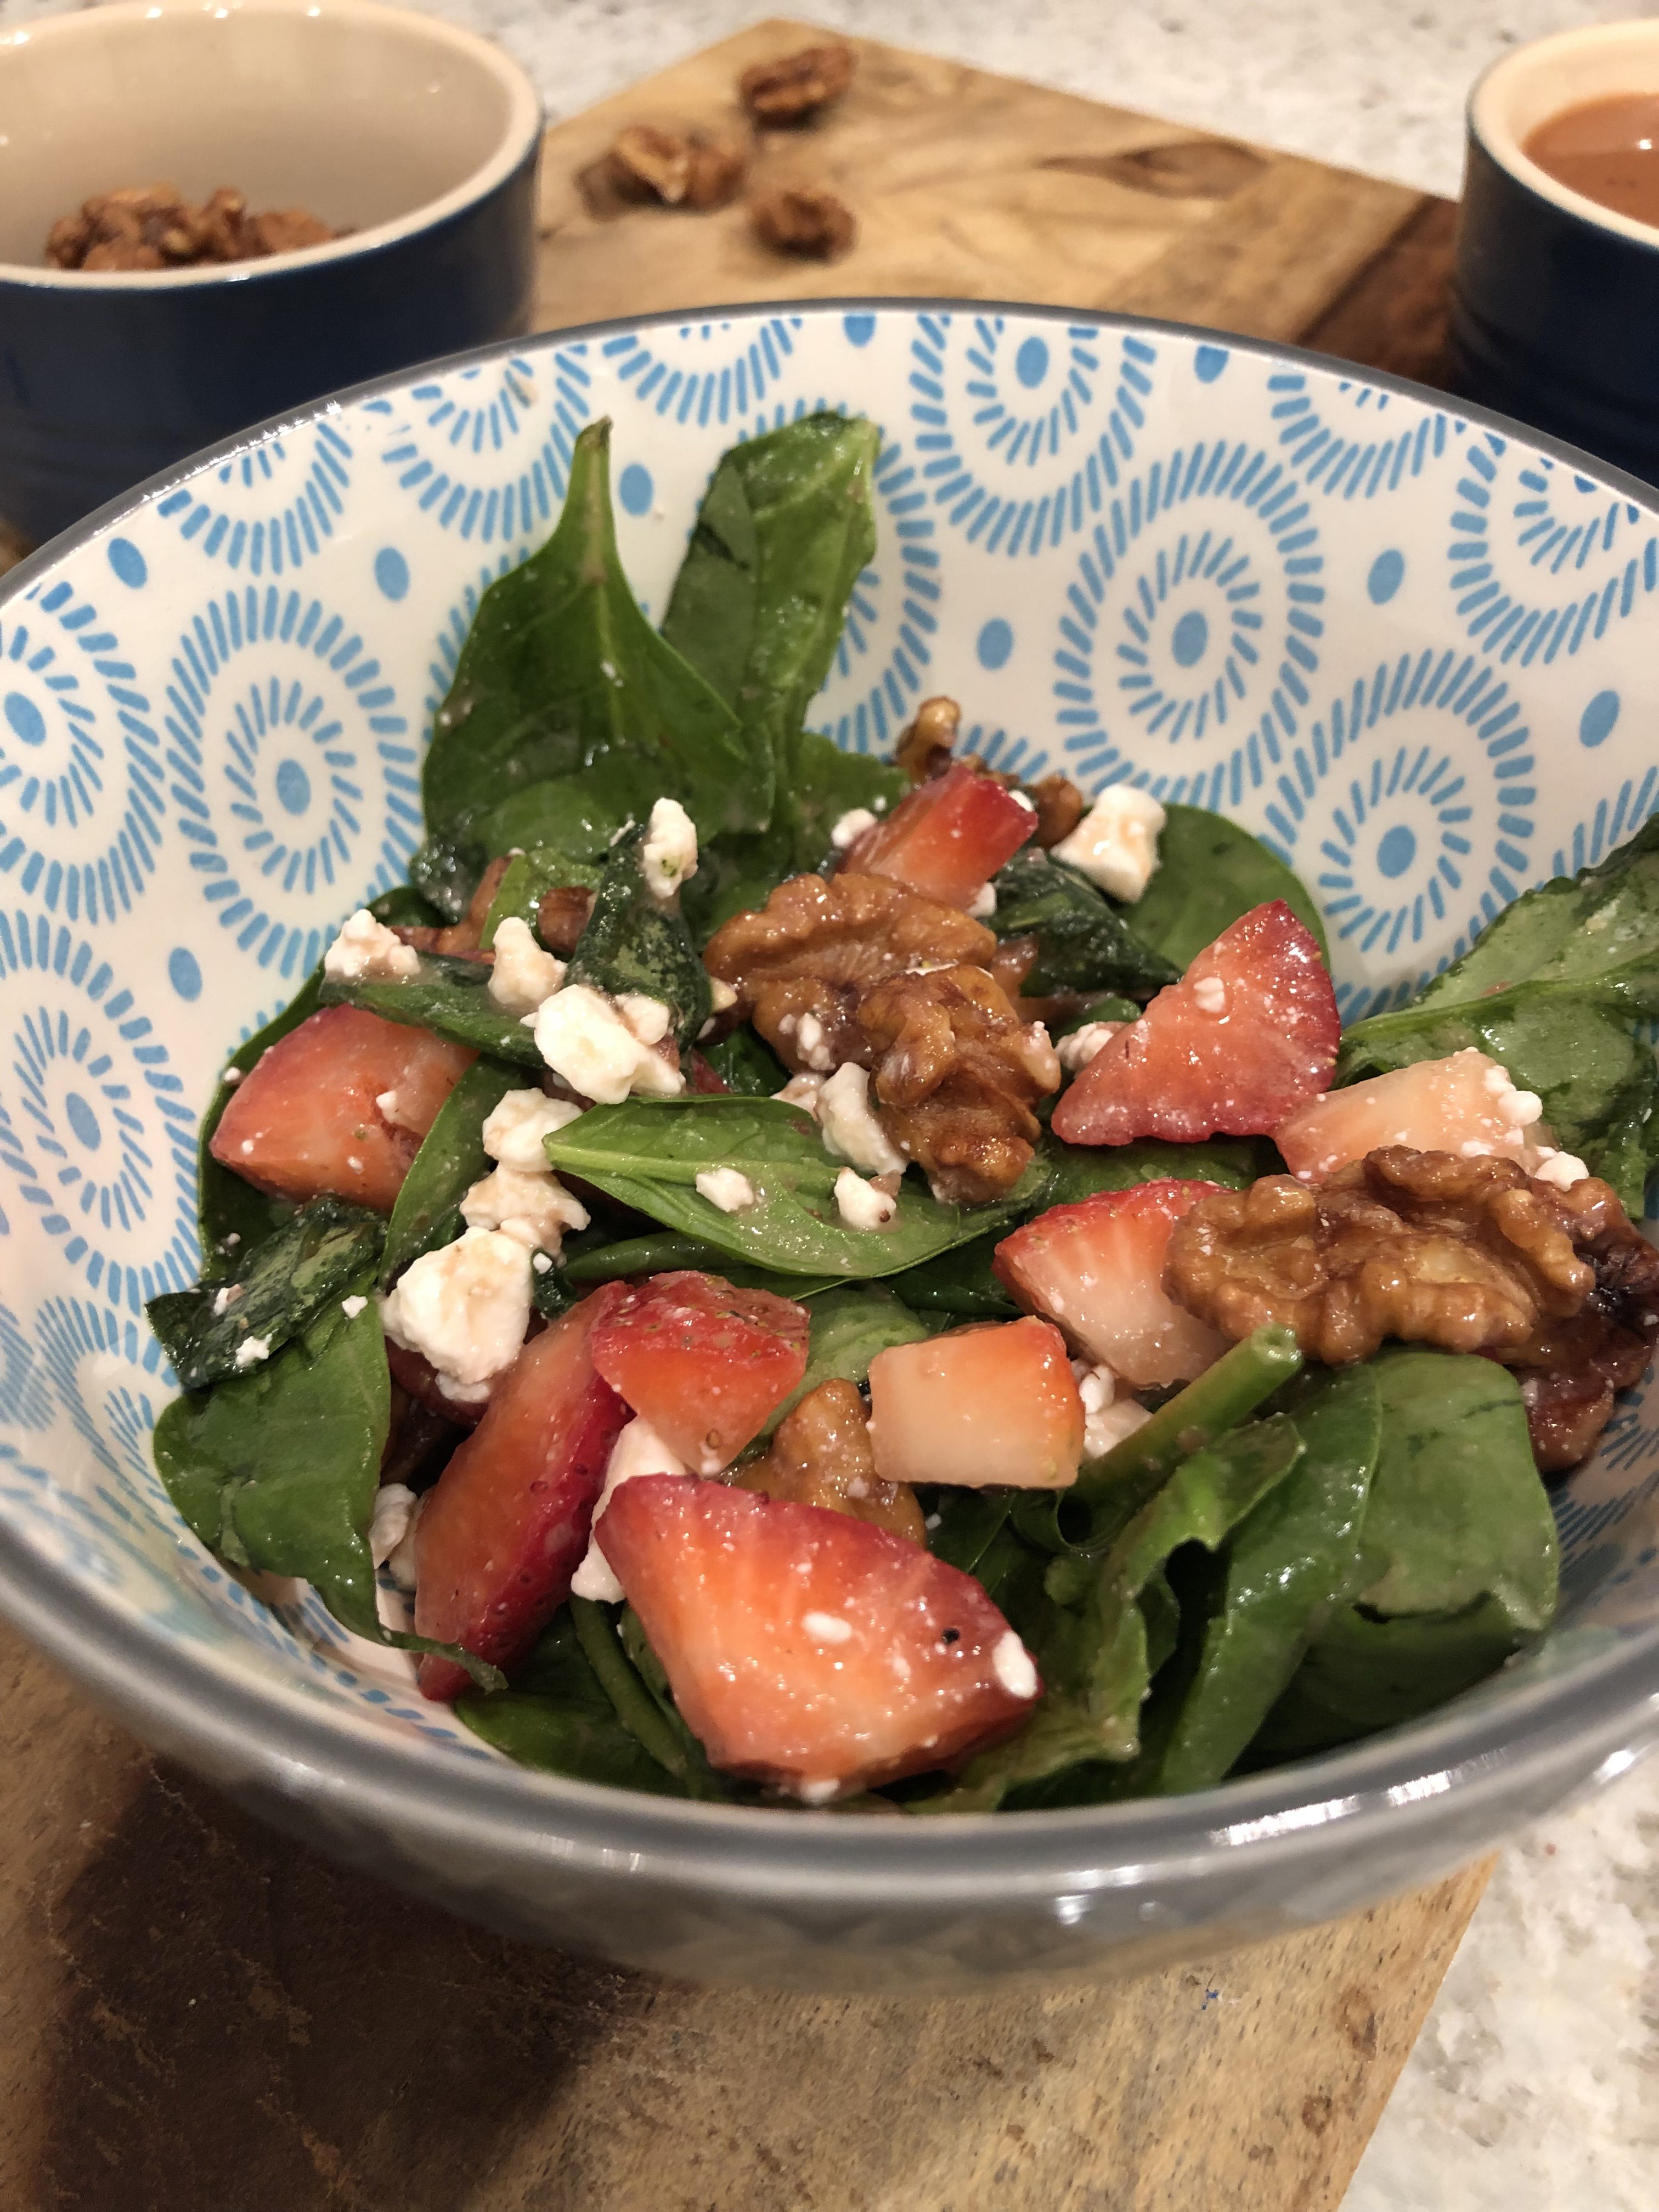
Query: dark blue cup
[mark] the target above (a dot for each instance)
(419, 138)
(1555, 299)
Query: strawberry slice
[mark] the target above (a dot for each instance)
(1097, 1269)
(504, 1530)
(991, 1403)
(1464, 1103)
(808, 1649)
(1248, 1035)
(704, 1361)
(947, 838)
(305, 1118)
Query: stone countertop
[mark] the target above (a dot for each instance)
(1534, 2086)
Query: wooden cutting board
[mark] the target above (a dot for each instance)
(197, 2014)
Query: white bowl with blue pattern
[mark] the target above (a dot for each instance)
(1413, 649)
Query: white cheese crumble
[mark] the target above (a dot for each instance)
(394, 1510)
(584, 1038)
(1107, 1418)
(983, 903)
(524, 974)
(514, 1128)
(464, 1309)
(251, 1350)
(1115, 844)
(862, 1204)
(232, 1076)
(367, 951)
(826, 1627)
(1010, 1662)
(1077, 1049)
(802, 1090)
(814, 1045)
(849, 1125)
(1561, 1168)
(638, 1450)
(721, 997)
(669, 853)
(352, 1307)
(850, 827)
(390, 1106)
(533, 1209)
(1210, 995)
(223, 1300)
(727, 1188)
(647, 1018)
(1020, 799)
(400, 1560)
(816, 1793)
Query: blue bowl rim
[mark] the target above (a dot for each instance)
(1400, 1790)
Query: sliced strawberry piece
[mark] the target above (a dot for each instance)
(1465, 1103)
(992, 1403)
(1248, 1035)
(304, 1120)
(505, 1526)
(704, 1361)
(947, 838)
(1097, 1269)
(808, 1649)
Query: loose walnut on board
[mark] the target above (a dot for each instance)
(797, 86)
(681, 168)
(816, 225)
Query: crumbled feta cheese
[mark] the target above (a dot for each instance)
(814, 1045)
(850, 827)
(1561, 1168)
(464, 1309)
(721, 997)
(534, 1210)
(826, 1627)
(1010, 1662)
(1020, 799)
(1077, 1049)
(647, 1018)
(583, 1038)
(850, 1129)
(251, 1350)
(523, 975)
(1107, 1418)
(400, 1561)
(1115, 844)
(983, 903)
(803, 1091)
(367, 951)
(638, 1450)
(394, 1509)
(816, 1793)
(1473, 1148)
(352, 1307)
(230, 1076)
(541, 1263)
(726, 1187)
(1518, 1108)
(1210, 995)
(390, 1106)
(514, 1128)
(223, 1300)
(669, 853)
(861, 1204)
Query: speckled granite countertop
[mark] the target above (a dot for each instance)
(1535, 2085)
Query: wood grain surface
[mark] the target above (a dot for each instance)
(197, 2015)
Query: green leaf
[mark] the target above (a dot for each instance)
(633, 943)
(960, 1282)
(1210, 871)
(452, 1158)
(450, 996)
(273, 1293)
(1107, 1009)
(746, 1064)
(648, 1153)
(969, 1522)
(1084, 942)
(528, 878)
(558, 1719)
(667, 1252)
(231, 1214)
(277, 1471)
(405, 908)
(850, 1325)
(568, 713)
(1079, 1172)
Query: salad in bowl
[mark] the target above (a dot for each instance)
(807, 1276)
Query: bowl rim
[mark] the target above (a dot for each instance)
(1406, 1785)
(520, 138)
(1502, 147)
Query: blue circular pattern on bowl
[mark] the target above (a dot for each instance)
(1411, 651)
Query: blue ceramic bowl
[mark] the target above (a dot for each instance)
(418, 137)
(1252, 578)
(1555, 299)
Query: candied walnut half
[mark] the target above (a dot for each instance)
(957, 1074)
(797, 85)
(854, 929)
(815, 225)
(680, 168)
(466, 935)
(821, 1455)
(562, 917)
(813, 1025)
(925, 745)
(1060, 807)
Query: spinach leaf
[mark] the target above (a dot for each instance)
(273, 1294)
(633, 943)
(277, 1471)
(648, 1153)
(1107, 1008)
(1083, 942)
(850, 1325)
(450, 996)
(634, 1682)
(231, 1214)
(1210, 871)
(404, 907)
(746, 1064)
(452, 1158)
(666, 1252)
(969, 1523)
(959, 1282)
(529, 877)
(559, 1718)
(1079, 1172)
(1096, 1662)
(1291, 1564)
(568, 713)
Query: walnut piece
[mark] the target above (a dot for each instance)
(141, 227)
(956, 1075)
(853, 929)
(799, 85)
(815, 225)
(680, 168)
(1570, 1370)
(821, 1455)
(925, 745)
(813, 1025)
(562, 917)
(1060, 807)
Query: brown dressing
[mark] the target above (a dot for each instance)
(1607, 150)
